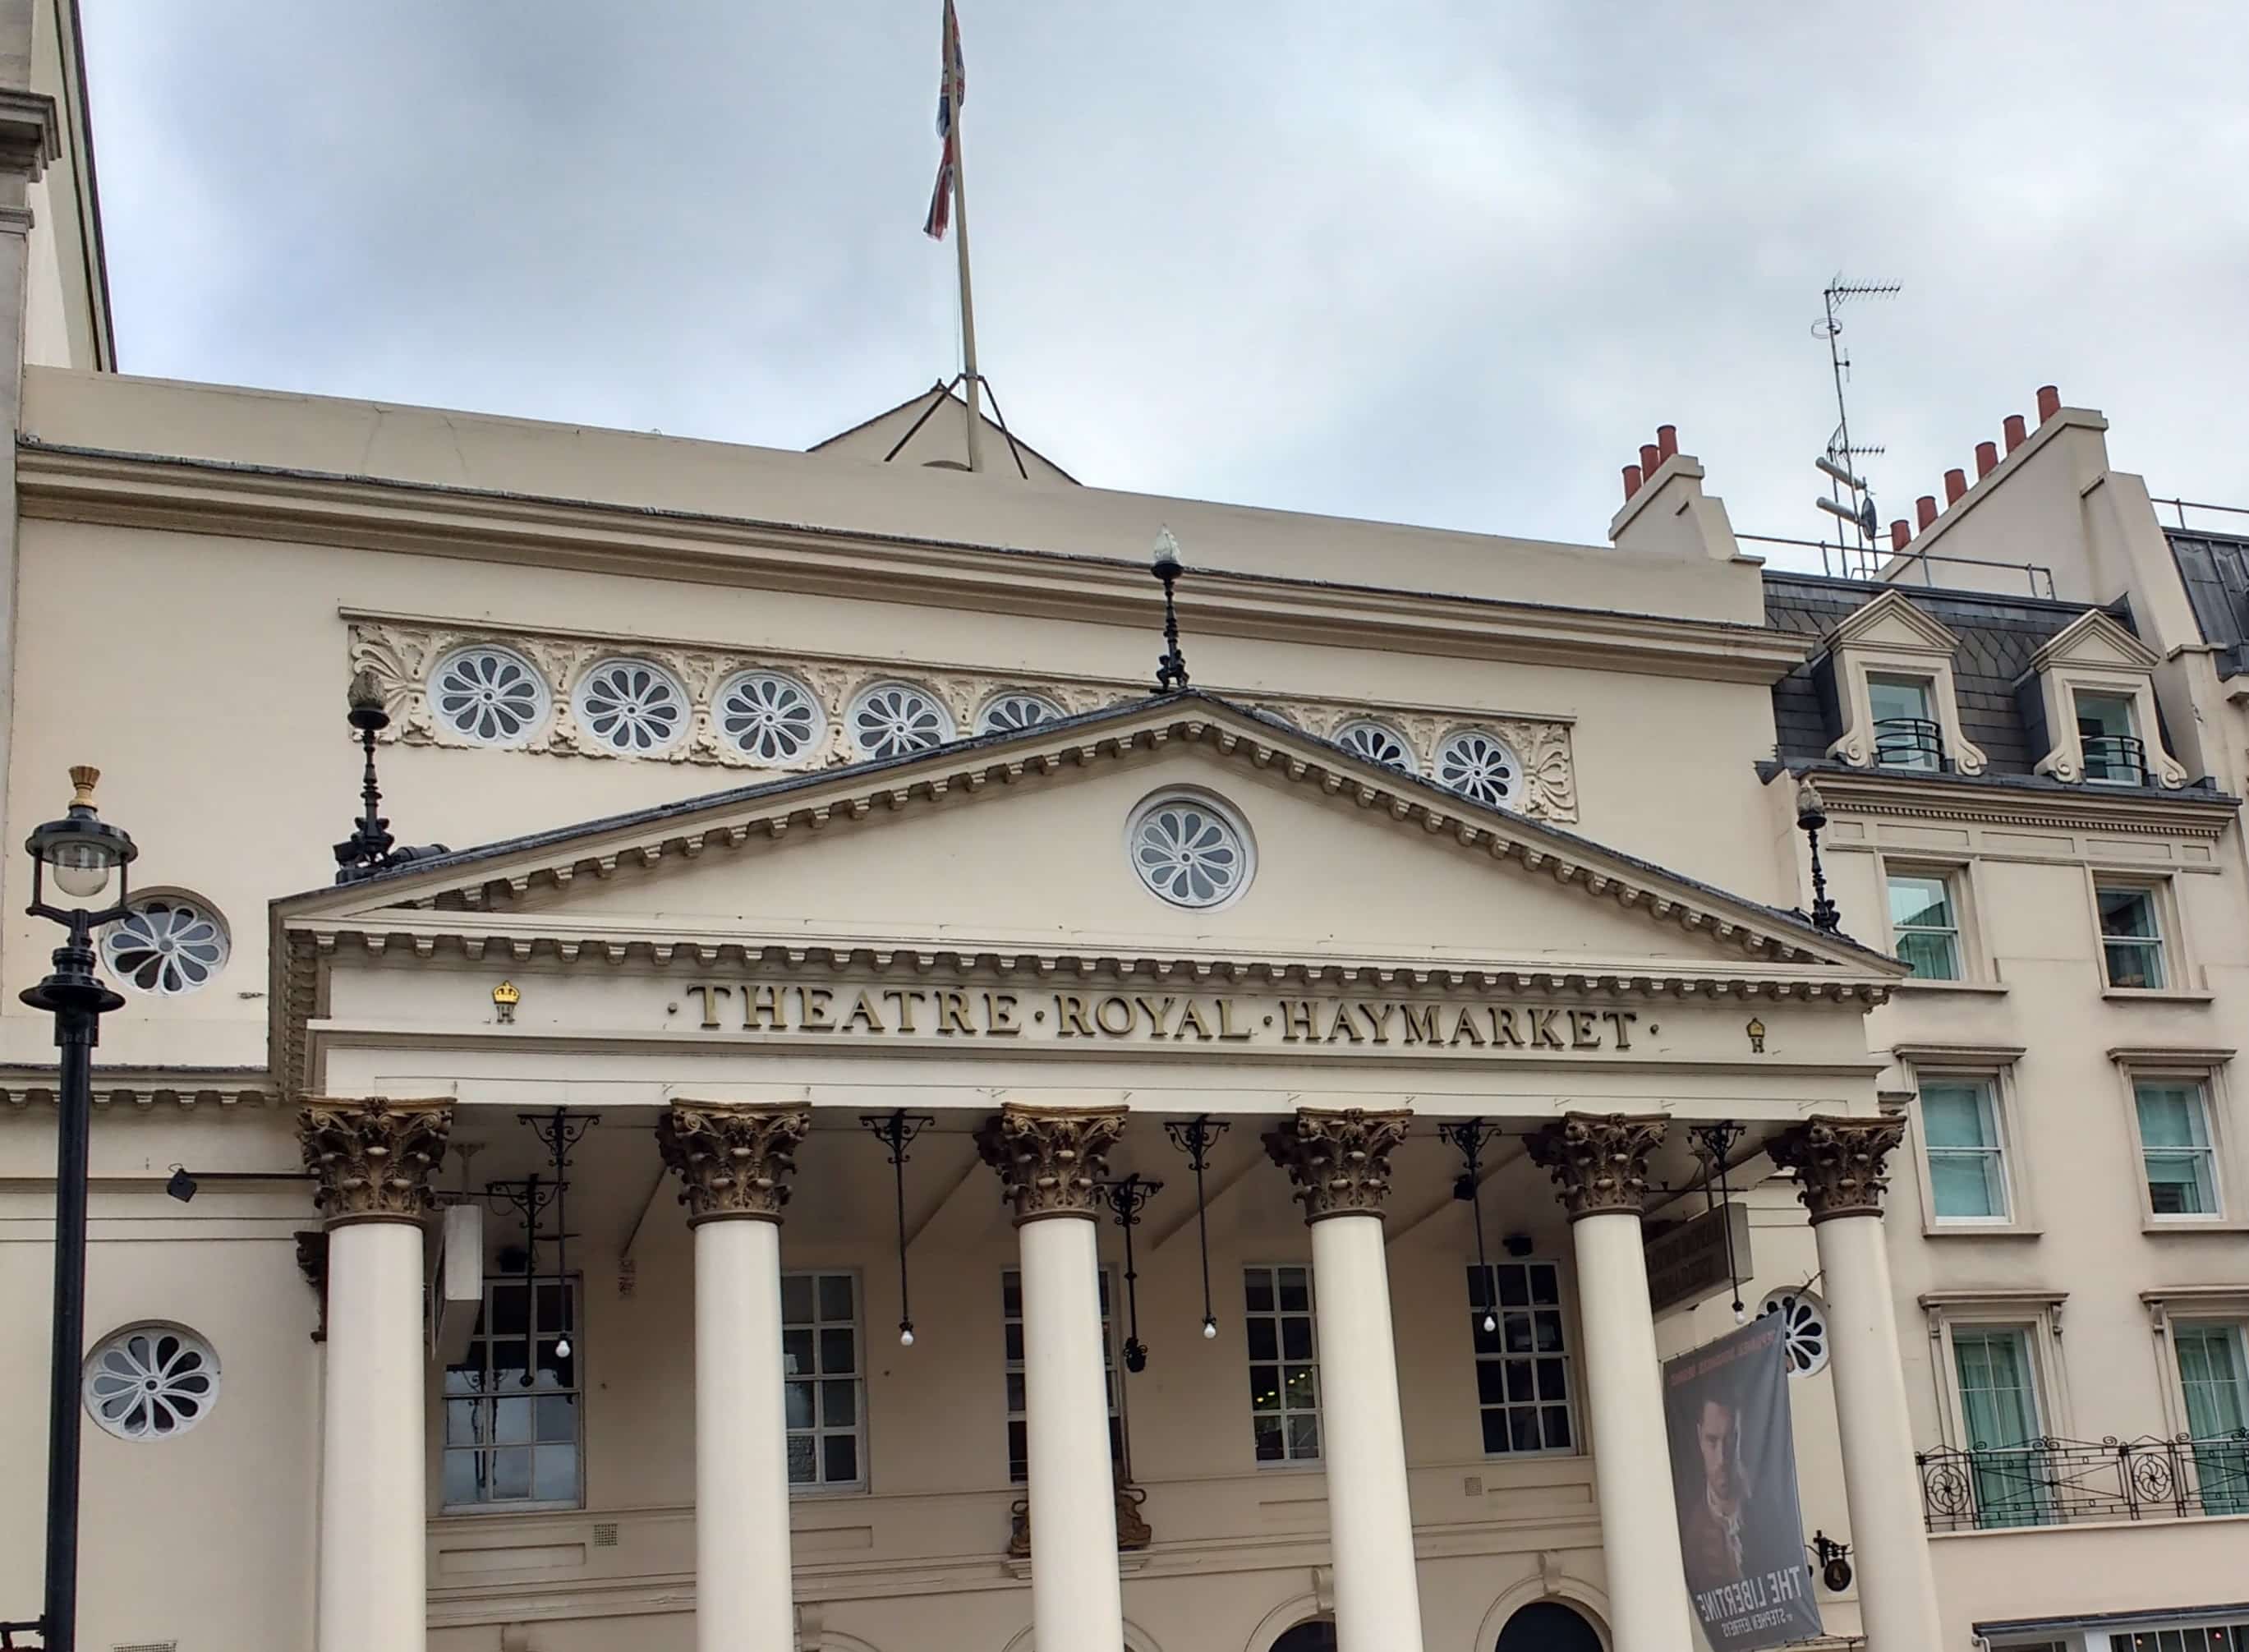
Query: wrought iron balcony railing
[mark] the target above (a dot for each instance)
(1908, 742)
(2119, 760)
(2060, 1482)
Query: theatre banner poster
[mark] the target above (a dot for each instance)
(1733, 1472)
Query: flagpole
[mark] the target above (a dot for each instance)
(967, 304)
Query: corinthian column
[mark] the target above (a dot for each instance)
(1340, 1162)
(734, 1163)
(1051, 1162)
(1840, 1176)
(371, 1160)
(1600, 1164)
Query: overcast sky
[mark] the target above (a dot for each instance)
(1442, 263)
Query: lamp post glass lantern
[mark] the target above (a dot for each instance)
(80, 853)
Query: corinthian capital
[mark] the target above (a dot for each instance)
(732, 1160)
(1598, 1161)
(1340, 1161)
(1838, 1163)
(1051, 1160)
(372, 1157)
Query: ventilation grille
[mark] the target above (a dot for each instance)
(605, 1536)
(146, 1646)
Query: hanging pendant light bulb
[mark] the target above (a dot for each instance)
(1491, 1322)
(905, 1333)
(562, 1349)
(1209, 1328)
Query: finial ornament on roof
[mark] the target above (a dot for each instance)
(371, 848)
(1171, 664)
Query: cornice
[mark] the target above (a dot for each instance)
(130, 490)
(1890, 795)
(146, 1090)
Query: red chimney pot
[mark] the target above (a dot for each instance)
(1650, 457)
(2016, 435)
(1925, 509)
(1987, 459)
(1901, 535)
(2049, 402)
(1955, 484)
(1667, 439)
(1631, 480)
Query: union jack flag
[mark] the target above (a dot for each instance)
(952, 92)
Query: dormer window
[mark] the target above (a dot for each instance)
(2114, 755)
(1907, 734)
(2088, 702)
(1887, 676)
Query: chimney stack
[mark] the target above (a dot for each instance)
(1650, 457)
(2016, 435)
(1987, 459)
(1631, 480)
(2049, 402)
(1955, 484)
(1667, 439)
(1901, 535)
(1924, 508)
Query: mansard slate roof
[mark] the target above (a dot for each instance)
(2215, 567)
(1998, 635)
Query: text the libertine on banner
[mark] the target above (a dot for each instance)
(853, 1010)
(1733, 1472)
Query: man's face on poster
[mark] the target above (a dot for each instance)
(1720, 1436)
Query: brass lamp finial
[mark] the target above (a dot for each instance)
(83, 776)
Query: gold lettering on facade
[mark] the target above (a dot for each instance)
(1160, 1018)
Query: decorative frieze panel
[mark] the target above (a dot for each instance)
(566, 694)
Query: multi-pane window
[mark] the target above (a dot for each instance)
(1906, 732)
(2175, 1146)
(1999, 1408)
(1011, 1316)
(1523, 1361)
(1926, 926)
(824, 1381)
(2213, 1369)
(512, 1420)
(2131, 937)
(2197, 1637)
(1284, 1371)
(2113, 752)
(1967, 1160)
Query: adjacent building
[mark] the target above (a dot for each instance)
(897, 1122)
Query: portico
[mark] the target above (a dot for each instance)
(830, 1486)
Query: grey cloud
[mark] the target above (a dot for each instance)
(1444, 263)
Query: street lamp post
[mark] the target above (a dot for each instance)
(79, 851)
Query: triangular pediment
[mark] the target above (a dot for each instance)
(2095, 639)
(1016, 846)
(1892, 623)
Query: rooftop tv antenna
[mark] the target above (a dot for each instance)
(1840, 463)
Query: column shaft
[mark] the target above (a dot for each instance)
(742, 1587)
(1897, 1586)
(1370, 1517)
(1076, 1602)
(373, 1564)
(1624, 1385)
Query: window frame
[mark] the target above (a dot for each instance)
(1925, 685)
(1986, 1087)
(1949, 883)
(1963, 882)
(2206, 1080)
(2038, 1312)
(1010, 1367)
(1285, 1463)
(2078, 693)
(575, 1326)
(1992, 1066)
(2169, 948)
(819, 1431)
(1567, 1353)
